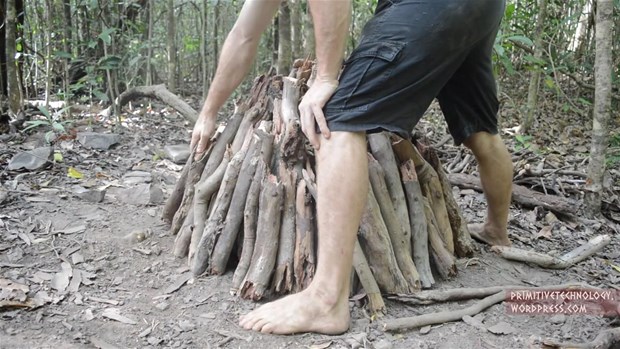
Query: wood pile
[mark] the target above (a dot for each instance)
(248, 205)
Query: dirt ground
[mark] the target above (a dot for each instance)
(135, 294)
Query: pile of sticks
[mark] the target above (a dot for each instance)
(249, 204)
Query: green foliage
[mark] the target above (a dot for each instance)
(523, 142)
(50, 121)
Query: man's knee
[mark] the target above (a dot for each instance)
(484, 143)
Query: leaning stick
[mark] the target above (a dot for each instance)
(444, 260)
(443, 316)
(401, 238)
(375, 301)
(577, 255)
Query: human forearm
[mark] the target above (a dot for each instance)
(331, 26)
(238, 52)
(234, 63)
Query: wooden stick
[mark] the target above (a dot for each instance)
(460, 294)
(234, 217)
(606, 339)
(463, 243)
(213, 227)
(577, 255)
(523, 196)
(382, 151)
(250, 221)
(443, 316)
(174, 201)
(266, 247)
(283, 280)
(419, 225)
(304, 262)
(377, 247)
(184, 237)
(203, 193)
(444, 260)
(400, 238)
(375, 301)
(431, 187)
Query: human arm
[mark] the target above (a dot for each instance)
(238, 53)
(331, 27)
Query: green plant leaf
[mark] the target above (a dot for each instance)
(106, 35)
(521, 39)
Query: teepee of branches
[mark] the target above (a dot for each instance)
(249, 205)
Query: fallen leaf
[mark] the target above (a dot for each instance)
(58, 157)
(101, 344)
(76, 280)
(501, 328)
(425, 329)
(72, 230)
(60, 281)
(8, 285)
(615, 267)
(73, 173)
(474, 322)
(321, 345)
(114, 314)
(179, 282)
(545, 232)
(103, 300)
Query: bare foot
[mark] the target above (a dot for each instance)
(307, 311)
(484, 234)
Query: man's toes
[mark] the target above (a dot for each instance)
(268, 328)
(258, 326)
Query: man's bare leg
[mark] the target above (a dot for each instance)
(342, 183)
(495, 167)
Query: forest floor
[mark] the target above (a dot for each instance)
(102, 274)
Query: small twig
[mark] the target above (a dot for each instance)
(443, 316)
(605, 339)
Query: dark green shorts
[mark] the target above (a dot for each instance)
(413, 51)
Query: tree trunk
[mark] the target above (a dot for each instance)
(285, 55)
(14, 88)
(532, 93)
(296, 28)
(602, 107)
(171, 47)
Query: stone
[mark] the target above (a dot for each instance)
(178, 153)
(558, 319)
(163, 306)
(31, 160)
(101, 141)
(383, 344)
(501, 328)
(90, 195)
(143, 194)
(137, 177)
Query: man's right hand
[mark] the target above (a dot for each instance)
(202, 133)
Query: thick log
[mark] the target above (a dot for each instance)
(184, 237)
(444, 316)
(234, 217)
(203, 193)
(382, 151)
(401, 239)
(463, 243)
(176, 197)
(360, 264)
(283, 278)
(256, 282)
(419, 225)
(304, 261)
(214, 225)
(377, 247)
(193, 177)
(431, 187)
(250, 221)
(523, 196)
(567, 260)
(293, 141)
(161, 93)
(444, 260)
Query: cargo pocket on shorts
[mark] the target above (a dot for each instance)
(370, 65)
